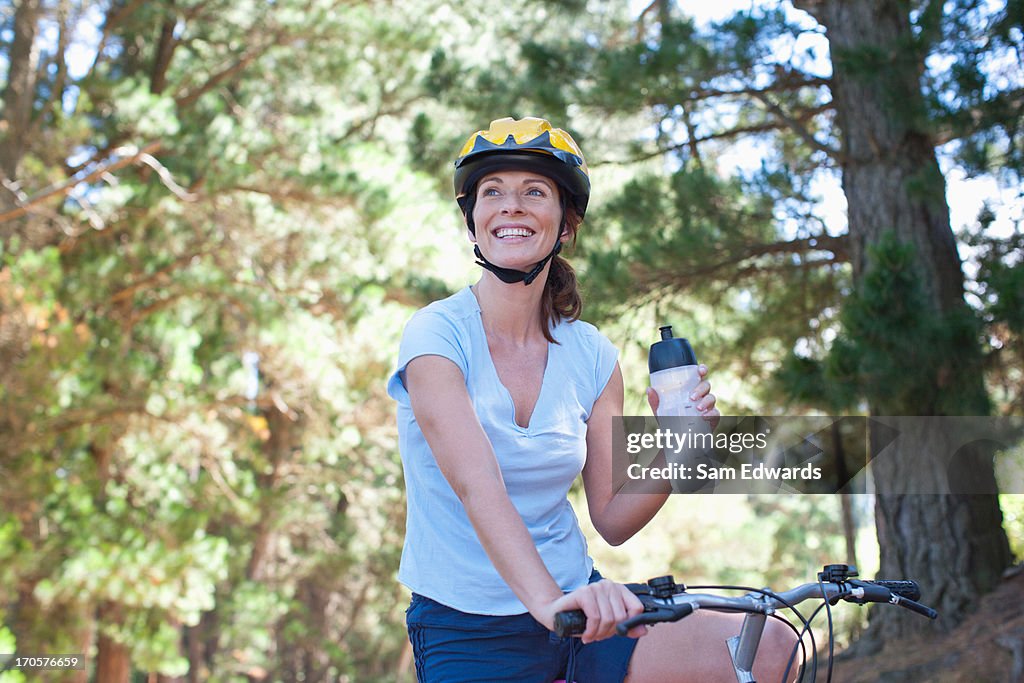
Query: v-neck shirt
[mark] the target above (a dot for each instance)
(442, 557)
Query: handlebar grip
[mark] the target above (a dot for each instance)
(904, 589)
(877, 591)
(570, 623)
(916, 607)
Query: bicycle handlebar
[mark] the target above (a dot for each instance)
(672, 604)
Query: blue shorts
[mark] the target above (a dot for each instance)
(455, 647)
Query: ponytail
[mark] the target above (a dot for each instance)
(561, 299)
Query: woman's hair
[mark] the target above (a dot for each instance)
(561, 299)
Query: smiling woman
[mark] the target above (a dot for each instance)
(504, 398)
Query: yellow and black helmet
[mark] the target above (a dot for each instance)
(527, 144)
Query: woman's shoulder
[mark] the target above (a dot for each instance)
(450, 310)
(581, 332)
(580, 328)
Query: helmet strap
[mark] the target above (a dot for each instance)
(510, 275)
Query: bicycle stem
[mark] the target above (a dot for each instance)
(743, 648)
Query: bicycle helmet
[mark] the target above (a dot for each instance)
(527, 144)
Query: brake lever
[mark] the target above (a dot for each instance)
(655, 613)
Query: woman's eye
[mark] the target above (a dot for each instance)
(535, 192)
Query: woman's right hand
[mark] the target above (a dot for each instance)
(605, 603)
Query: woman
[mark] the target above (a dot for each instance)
(505, 397)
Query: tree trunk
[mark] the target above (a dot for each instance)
(113, 664)
(19, 95)
(86, 616)
(21, 87)
(953, 544)
(845, 500)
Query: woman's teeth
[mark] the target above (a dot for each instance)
(501, 233)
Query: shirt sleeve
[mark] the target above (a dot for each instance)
(428, 333)
(607, 356)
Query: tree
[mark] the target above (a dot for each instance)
(196, 229)
(895, 191)
(878, 311)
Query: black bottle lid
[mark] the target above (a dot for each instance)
(670, 352)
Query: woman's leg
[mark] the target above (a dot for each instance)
(449, 645)
(694, 649)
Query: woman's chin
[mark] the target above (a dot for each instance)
(513, 261)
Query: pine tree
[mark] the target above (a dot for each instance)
(877, 311)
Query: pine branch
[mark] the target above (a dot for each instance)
(763, 127)
(798, 127)
(953, 127)
(166, 178)
(128, 155)
(189, 97)
(129, 290)
(641, 19)
(278, 37)
(676, 280)
(838, 246)
(115, 17)
(155, 307)
(60, 78)
(77, 417)
(796, 80)
(164, 53)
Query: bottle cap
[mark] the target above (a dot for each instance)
(670, 352)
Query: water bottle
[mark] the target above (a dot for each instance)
(674, 375)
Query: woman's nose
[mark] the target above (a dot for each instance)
(511, 203)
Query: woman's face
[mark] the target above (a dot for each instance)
(517, 217)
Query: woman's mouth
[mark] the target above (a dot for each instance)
(506, 232)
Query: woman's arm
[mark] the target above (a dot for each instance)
(620, 507)
(445, 413)
(463, 452)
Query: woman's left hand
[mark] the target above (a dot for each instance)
(702, 397)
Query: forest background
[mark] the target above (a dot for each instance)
(216, 215)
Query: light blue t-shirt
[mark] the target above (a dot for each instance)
(442, 558)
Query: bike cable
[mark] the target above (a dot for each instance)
(831, 634)
(798, 647)
(792, 608)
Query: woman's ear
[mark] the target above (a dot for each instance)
(567, 234)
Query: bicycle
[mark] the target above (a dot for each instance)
(664, 600)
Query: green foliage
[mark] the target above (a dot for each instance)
(897, 350)
(296, 203)
(151, 487)
(999, 291)
(1013, 521)
(806, 547)
(976, 96)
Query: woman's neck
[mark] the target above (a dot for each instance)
(511, 311)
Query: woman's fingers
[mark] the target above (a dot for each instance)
(653, 400)
(702, 389)
(606, 604)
